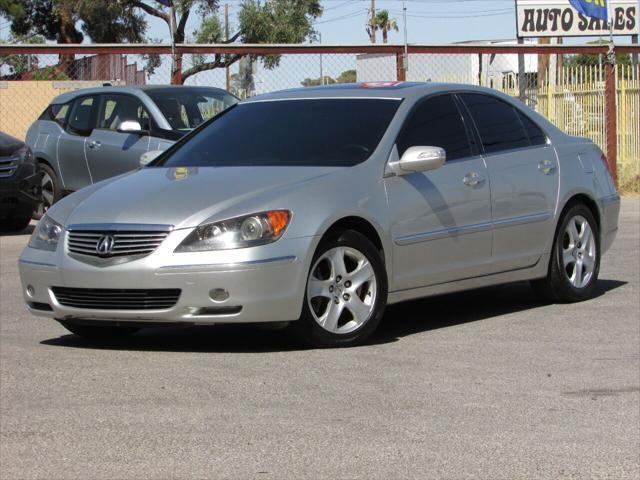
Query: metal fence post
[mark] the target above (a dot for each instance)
(611, 115)
(401, 75)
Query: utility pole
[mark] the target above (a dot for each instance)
(372, 24)
(226, 37)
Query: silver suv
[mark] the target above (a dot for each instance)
(89, 135)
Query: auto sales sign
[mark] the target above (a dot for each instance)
(545, 18)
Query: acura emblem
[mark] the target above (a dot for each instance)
(105, 245)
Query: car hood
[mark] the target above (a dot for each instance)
(184, 196)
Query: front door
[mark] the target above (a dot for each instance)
(74, 170)
(523, 171)
(109, 151)
(441, 219)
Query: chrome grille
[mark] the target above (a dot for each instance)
(8, 166)
(127, 243)
(117, 299)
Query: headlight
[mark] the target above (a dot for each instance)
(25, 154)
(239, 232)
(46, 235)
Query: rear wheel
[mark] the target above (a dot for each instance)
(575, 260)
(346, 293)
(51, 190)
(97, 332)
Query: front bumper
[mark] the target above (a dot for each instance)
(264, 284)
(20, 193)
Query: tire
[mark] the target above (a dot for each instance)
(574, 250)
(334, 291)
(14, 224)
(51, 191)
(97, 332)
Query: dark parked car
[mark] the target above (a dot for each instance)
(20, 192)
(89, 135)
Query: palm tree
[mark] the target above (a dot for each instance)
(384, 23)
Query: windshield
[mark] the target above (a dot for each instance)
(309, 132)
(186, 108)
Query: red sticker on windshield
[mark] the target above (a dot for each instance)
(379, 84)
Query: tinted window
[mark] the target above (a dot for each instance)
(497, 122)
(339, 132)
(436, 122)
(187, 108)
(536, 136)
(116, 109)
(80, 118)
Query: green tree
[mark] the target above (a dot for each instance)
(274, 21)
(314, 82)
(586, 59)
(385, 24)
(70, 21)
(348, 76)
(20, 64)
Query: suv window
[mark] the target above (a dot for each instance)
(436, 122)
(116, 109)
(80, 120)
(497, 122)
(535, 134)
(185, 109)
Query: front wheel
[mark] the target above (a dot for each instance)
(98, 332)
(51, 191)
(346, 293)
(575, 260)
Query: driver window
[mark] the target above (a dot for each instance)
(116, 109)
(436, 122)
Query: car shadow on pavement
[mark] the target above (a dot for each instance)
(26, 231)
(399, 321)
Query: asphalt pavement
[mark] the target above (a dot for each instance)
(486, 384)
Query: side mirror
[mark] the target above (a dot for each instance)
(131, 126)
(148, 157)
(418, 159)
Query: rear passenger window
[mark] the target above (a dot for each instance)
(536, 136)
(436, 122)
(497, 122)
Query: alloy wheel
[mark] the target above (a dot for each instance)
(341, 290)
(578, 251)
(48, 193)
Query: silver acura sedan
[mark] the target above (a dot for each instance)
(324, 205)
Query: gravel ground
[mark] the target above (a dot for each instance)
(484, 384)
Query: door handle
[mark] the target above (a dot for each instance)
(472, 179)
(546, 166)
(95, 145)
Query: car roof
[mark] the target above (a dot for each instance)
(130, 89)
(391, 89)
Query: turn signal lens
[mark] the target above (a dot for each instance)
(278, 219)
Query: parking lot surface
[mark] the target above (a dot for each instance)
(484, 384)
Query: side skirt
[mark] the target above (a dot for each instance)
(539, 270)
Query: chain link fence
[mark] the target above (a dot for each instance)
(568, 85)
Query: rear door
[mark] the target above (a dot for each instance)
(441, 219)
(110, 152)
(71, 151)
(523, 172)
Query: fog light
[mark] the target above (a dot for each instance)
(30, 290)
(219, 295)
